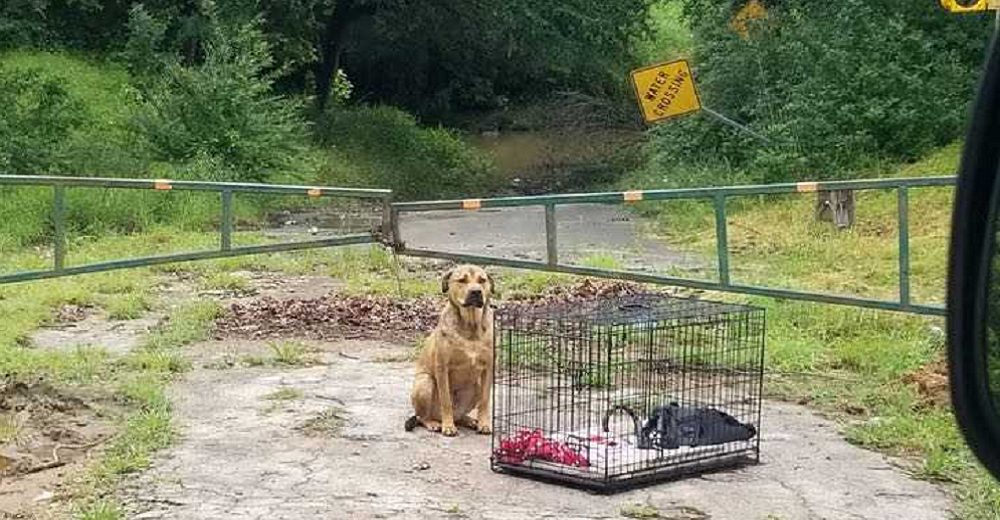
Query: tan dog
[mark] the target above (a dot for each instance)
(455, 369)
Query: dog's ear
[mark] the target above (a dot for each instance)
(445, 279)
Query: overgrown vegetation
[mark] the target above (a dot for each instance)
(840, 89)
(385, 147)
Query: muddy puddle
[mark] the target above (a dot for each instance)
(557, 160)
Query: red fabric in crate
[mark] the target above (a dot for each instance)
(532, 445)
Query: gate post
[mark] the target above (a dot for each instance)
(59, 225)
(836, 206)
(551, 244)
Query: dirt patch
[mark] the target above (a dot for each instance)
(931, 382)
(43, 434)
(284, 286)
(91, 329)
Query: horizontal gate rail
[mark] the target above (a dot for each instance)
(226, 190)
(169, 185)
(719, 197)
(389, 231)
(619, 197)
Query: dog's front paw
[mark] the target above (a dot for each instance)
(485, 428)
(449, 430)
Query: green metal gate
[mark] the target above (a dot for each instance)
(718, 197)
(226, 192)
(388, 232)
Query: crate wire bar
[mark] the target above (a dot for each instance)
(611, 393)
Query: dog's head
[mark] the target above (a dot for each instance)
(468, 286)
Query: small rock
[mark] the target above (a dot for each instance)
(372, 494)
(421, 466)
(364, 444)
(468, 463)
(45, 496)
(355, 453)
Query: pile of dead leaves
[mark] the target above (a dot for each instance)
(70, 313)
(585, 290)
(327, 317)
(932, 384)
(339, 316)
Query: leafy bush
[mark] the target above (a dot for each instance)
(384, 147)
(224, 109)
(102, 143)
(37, 115)
(838, 86)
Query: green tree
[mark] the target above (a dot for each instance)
(224, 109)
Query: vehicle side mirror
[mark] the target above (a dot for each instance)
(974, 278)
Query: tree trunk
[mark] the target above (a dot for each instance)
(836, 206)
(331, 46)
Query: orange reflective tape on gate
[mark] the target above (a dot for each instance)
(632, 196)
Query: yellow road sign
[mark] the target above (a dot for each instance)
(665, 91)
(970, 6)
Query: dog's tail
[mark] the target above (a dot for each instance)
(411, 423)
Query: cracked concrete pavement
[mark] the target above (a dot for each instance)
(244, 455)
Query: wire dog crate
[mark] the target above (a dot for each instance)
(616, 392)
